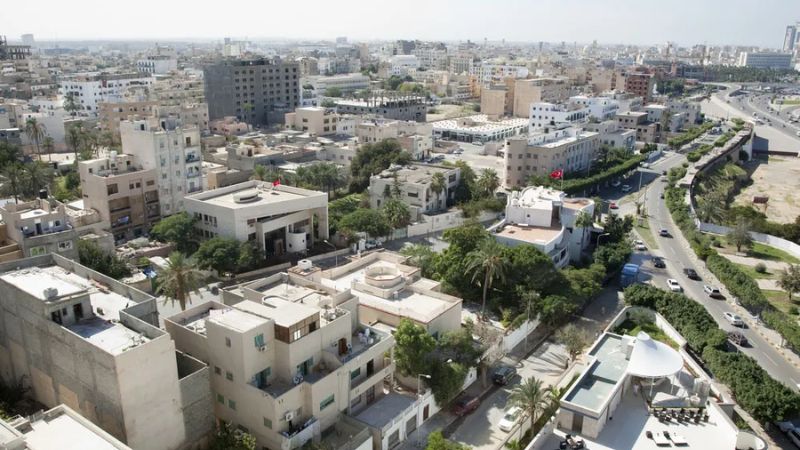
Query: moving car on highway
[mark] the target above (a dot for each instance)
(691, 274)
(712, 291)
(673, 285)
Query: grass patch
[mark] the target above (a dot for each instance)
(751, 271)
(780, 300)
(631, 328)
(646, 234)
(762, 251)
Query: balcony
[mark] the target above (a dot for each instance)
(364, 339)
(371, 378)
(192, 158)
(297, 436)
(193, 174)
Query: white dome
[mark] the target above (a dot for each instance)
(653, 359)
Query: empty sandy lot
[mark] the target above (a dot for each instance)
(779, 178)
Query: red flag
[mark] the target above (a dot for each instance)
(557, 174)
(276, 182)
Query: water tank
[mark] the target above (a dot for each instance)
(248, 196)
(305, 264)
(43, 194)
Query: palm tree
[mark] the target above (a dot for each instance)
(36, 132)
(36, 177)
(488, 182)
(70, 105)
(73, 139)
(438, 185)
(584, 221)
(487, 261)
(710, 209)
(13, 177)
(260, 173)
(531, 396)
(49, 147)
(179, 279)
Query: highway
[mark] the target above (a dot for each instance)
(678, 256)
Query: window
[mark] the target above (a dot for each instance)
(65, 245)
(297, 334)
(227, 342)
(325, 403)
(112, 189)
(220, 399)
(228, 376)
(232, 404)
(355, 374)
(267, 423)
(151, 182)
(36, 251)
(217, 370)
(258, 340)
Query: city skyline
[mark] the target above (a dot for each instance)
(617, 22)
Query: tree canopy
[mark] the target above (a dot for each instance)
(177, 229)
(374, 158)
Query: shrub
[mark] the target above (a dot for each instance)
(693, 157)
(761, 268)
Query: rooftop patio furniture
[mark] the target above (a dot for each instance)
(660, 439)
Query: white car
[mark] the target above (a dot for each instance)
(639, 245)
(510, 418)
(616, 183)
(673, 285)
(626, 188)
(733, 319)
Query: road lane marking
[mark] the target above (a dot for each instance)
(770, 359)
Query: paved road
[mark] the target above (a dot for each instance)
(678, 257)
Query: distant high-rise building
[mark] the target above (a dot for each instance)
(341, 40)
(790, 39)
(27, 39)
(256, 91)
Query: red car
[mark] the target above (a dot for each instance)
(613, 205)
(465, 405)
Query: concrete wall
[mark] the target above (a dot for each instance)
(782, 244)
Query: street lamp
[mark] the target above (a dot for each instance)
(336, 255)
(419, 382)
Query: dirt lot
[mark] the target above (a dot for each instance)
(779, 178)
(449, 112)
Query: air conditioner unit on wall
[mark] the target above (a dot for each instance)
(289, 416)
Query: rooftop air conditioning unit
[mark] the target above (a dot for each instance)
(305, 264)
(289, 416)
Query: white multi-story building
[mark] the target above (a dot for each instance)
(546, 116)
(414, 185)
(495, 73)
(765, 60)
(173, 151)
(315, 87)
(432, 57)
(402, 65)
(90, 89)
(690, 109)
(545, 218)
(612, 135)
(280, 219)
(157, 64)
(600, 108)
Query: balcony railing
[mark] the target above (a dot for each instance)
(297, 437)
(371, 379)
(192, 174)
(192, 158)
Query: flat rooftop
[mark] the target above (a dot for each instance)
(479, 123)
(255, 194)
(236, 320)
(112, 337)
(413, 305)
(415, 173)
(64, 432)
(594, 388)
(533, 235)
(385, 410)
(284, 313)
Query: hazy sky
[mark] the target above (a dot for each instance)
(746, 22)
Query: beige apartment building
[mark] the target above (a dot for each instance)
(122, 192)
(313, 120)
(646, 131)
(289, 357)
(414, 183)
(77, 337)
(536, 90)
(38, 227)
(567, 149)
(493, 102)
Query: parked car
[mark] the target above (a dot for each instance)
(733, 319)
(664, 178)
(639, 245)
(503, 375)
(736, 337)
(673, 285)
(626, 188)
(712, 291)
(371, 243)
(510, 418)
(691, 274)
(613, 205)
(659, 263)
(663, 232)
(616, 183)
(794, 436)
(465, 405)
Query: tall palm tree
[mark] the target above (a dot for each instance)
(260, 173)
(36, 177)
(438, 185)
(179, 279)
(13, 177)
(488, 181)
(487, 262)
(73, 139)
(531, 396)
(584, 221)
(710, 209)
(49, 146)
(36, 132)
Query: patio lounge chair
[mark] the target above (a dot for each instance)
(677, 439)
(660, 439)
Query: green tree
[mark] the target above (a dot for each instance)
(37, 176)
(179, 279)
(9, 153)
(333, 92)
(421, 256)
(413, 347)
(49, 147)
(739, 235)
(789, 279)
(438, 186)
(711, 208)
(177, 229)
(397, 213)
(218, 253)
(36, 132)
(250, 256)
(363, 220)
(70, 105)
(226, 438)
(584, 221)
(372, 159)
(531, 396)
(13, 180)
(487, 263)
(573, 339)
(488, 182)
(73, 140)
(437, 442)
(466, 188)
(92, 256)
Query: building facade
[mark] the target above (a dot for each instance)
(89, 90)
(413, 183)
(39, 227)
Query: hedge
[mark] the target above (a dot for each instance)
(766, 399)
(689, 135)
(577, 185)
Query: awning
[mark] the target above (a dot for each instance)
(653, 359)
